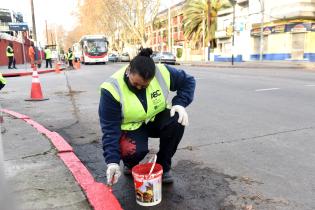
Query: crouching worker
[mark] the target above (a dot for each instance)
(133, 107)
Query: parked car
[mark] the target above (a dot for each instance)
(164, 57)
(124, 57)
(112, 57)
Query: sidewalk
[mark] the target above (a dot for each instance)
(23, 70)
(255, 64)
(36, 176)
(37, 165)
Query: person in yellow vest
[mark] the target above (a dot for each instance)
(48, 57)
(3, 81)
(133, 107)
(70, 58)
(10, 55)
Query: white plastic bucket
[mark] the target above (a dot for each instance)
(148, 183)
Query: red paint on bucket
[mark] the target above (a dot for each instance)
(142, 170)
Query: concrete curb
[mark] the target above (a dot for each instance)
(304, 67)
(98, 194)
(28, 73)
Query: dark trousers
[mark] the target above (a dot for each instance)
(1, 85)
(70, 63)
(134, 144)
(48, 61)
(11, 61)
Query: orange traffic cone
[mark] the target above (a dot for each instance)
(57, 68)
(36, 91)
(77, 65)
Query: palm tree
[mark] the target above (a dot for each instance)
(202, 12)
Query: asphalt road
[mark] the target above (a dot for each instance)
(250, 142)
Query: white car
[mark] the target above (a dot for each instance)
(124, 57)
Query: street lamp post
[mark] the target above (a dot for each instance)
(209, 28)
(233, 33)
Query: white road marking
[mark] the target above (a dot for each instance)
(309, 85)
(267, 89)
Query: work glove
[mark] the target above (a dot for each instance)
(182, 114)
(112, 173)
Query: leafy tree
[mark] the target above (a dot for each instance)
(128, 17)
(199, 12)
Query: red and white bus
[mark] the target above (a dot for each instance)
(94, 49)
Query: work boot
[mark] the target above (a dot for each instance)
(127, 170)
(167, 178)
(14, 67)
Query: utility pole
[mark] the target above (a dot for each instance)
(56, 36)
(209, 27)
(33, 21)
(203, 35)
(261, 50)
(52, 38)
(57, 45)
(46, 32)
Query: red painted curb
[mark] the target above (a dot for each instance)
(98, 194)
(39, 127)
(28, 73)
(60, 144)
(15, 114)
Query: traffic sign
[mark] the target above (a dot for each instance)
(18, 26)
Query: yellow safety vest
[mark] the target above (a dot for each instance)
(8, 53)
(47, 54)
(2, 80)
(70, 56)
(133, 112)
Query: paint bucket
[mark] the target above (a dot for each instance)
(147, 178)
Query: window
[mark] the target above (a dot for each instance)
(175, 20)
(5, 17)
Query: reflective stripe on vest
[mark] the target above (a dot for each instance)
(133, 113)
(48, 54)
(8, 53)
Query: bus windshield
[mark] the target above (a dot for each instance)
(95, 46)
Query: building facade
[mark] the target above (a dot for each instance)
(268, 30)
(8, 16)
(240, 47)
(158, 31)
(20, 40)
(288, 31)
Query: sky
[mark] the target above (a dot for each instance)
(60, 12)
